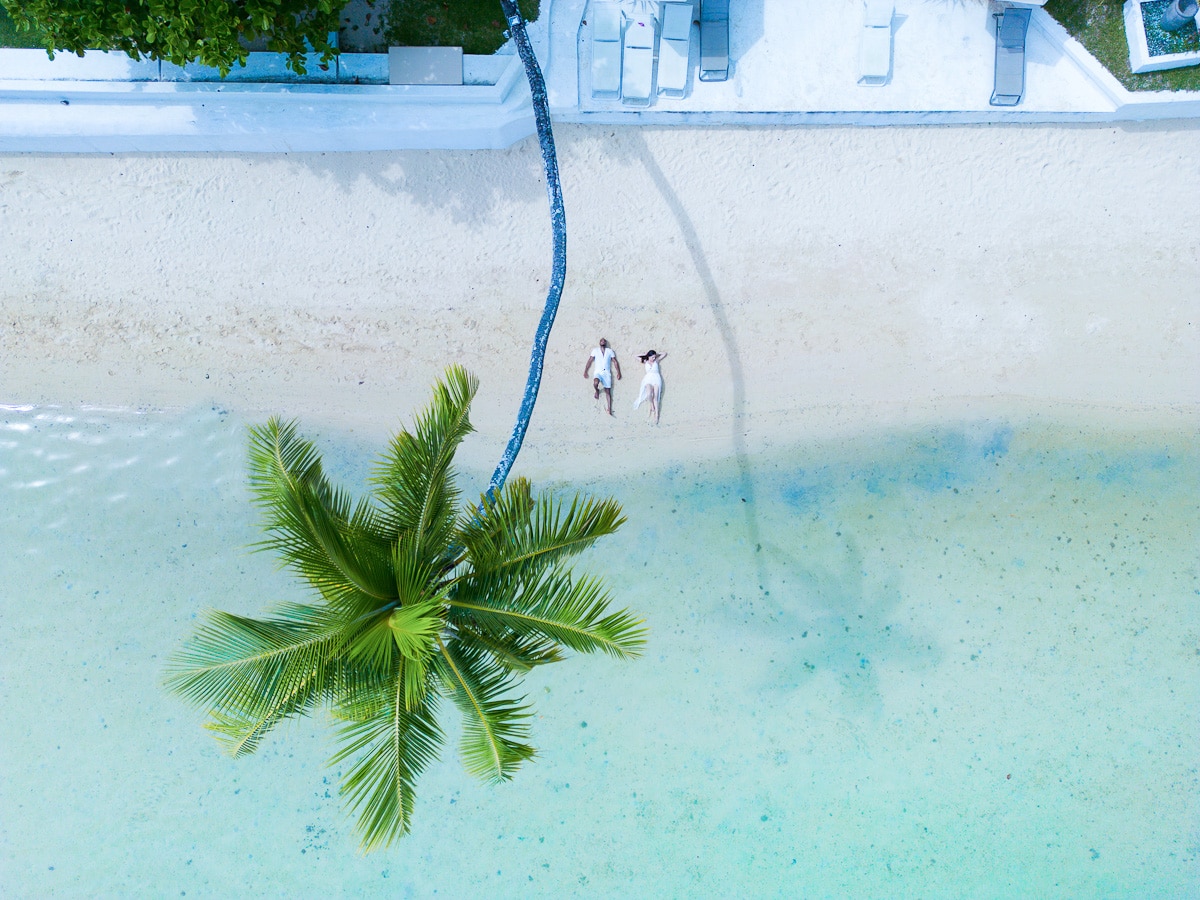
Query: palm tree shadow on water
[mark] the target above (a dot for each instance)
(712, 296)
(820, 618)
(837, 610)
(832, 619)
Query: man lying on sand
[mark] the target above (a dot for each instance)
(605, 359)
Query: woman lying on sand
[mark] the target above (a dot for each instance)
(651, 383)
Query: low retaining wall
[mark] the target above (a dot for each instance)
(107, 102)
(260, 68)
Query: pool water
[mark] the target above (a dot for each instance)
(954, 661)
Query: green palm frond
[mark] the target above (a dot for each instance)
(488, 526)
(357, 693)
(389, 751)
(416, 578)
(280, 458)
(251, 674)
(312, 526)
(524, 536)
(372, 647)
(495, 725)
(414, 479)
(421, 614)
(517, 653)
(573, 613)
(414, 629)
(354, 562)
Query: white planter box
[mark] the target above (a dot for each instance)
(1140, 59)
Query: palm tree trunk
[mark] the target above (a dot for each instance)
(558, 225)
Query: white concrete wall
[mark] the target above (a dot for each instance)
(107, 102)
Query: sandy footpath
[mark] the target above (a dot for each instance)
(802, 281)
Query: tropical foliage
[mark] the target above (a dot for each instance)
(478, 26)
(419, 599)
(214, 32)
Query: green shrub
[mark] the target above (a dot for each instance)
(475, 25)
(181, 31)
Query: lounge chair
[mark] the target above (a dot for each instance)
(674, 48)
(1011, 27)
(714, 40)
(875, 53)
(637, 68)
(606, 48)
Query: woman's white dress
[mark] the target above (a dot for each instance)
(652, 379)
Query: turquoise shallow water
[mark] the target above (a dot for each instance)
(942, 662)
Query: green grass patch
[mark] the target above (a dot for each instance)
(1100, 26)
(477, 26)
(11, 38)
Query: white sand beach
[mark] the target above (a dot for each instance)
(802, 281)
(916, 537)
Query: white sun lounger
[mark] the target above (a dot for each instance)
(674, 48)
(637, 67)
(875, 53)
(606, 48)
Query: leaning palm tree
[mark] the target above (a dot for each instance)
(418, 598)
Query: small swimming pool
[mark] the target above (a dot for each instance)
(959, 661)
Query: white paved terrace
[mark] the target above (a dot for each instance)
(793, 62)
(800, 59)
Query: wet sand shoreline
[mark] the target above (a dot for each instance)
(803, 281)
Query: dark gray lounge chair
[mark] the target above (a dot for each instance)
(714, 40)
(1011, 27)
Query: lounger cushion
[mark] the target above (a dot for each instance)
(879, 14)
(675, 47)
(637, 69)
(606, 48)
(676, 21)
(875, 54)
